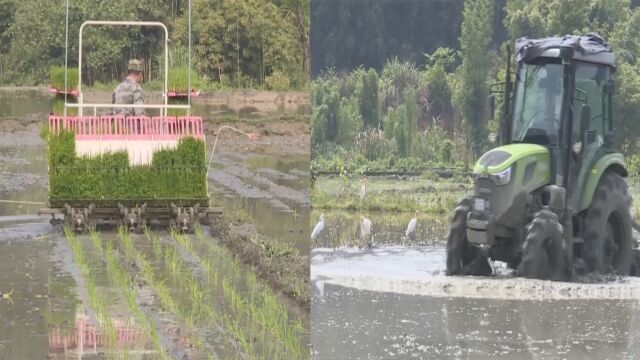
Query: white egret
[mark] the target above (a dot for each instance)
(318, 228)
(412, 225)
(365, 229)
(363, 189)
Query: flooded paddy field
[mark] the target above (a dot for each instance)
(394, 301)
(111, 294)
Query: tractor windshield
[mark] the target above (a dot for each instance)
(538, 101)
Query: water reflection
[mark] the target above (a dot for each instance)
(24, 103)
(88, 339)
(354, 324)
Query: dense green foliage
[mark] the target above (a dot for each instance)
(349, 34)
(369, 104)
(410, 131)
(470, 98)
(236, 43)
(178, 173)
(432, 108)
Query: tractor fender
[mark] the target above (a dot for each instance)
(608, 163)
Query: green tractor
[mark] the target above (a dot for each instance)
(551, 201)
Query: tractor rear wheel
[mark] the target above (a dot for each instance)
(608, 241)
(543, 253)
(462, 257)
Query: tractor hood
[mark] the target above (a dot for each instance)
(501, 158)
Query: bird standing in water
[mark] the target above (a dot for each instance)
(411, 228)
(365, 231)
(318, 229)
(363, 190)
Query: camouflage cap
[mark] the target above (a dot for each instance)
(135, 65)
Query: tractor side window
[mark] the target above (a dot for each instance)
(590, 80)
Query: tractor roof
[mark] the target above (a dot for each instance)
(590, 47)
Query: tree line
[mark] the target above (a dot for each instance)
(431, 106)
(235, 43)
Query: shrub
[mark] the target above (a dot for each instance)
(368, 101)
(278, 81)
(373, 145)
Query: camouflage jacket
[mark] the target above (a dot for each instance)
(128, 92)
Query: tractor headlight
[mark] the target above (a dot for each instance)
(502, 178)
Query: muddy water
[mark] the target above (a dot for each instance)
(50, 306)
(46, 315)
(352, 324)
(24, 103)
(396, 303)
(272, 190)
(342, 228)
(205, 108)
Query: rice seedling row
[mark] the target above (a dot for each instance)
(238, 325)
(169, 303)
(123, 280)
(198, 310)
(260, 305)
(205, 315)
(96, 301)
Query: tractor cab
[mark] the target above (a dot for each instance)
(562, 100)
(551, 200)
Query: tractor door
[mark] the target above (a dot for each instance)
(592, 84)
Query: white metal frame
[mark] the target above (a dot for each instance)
(81, 105)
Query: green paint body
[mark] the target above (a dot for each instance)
(608, 162)
(522, 155)
(530, 170)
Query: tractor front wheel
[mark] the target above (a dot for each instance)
(544, 254)
(608, 241)
(462, 257)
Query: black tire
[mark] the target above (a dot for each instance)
(462, 257)
(543, 255)
(608, 240)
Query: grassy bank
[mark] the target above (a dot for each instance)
(389, 193)
(354, 163)
(281, 265)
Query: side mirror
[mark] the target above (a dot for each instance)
(491, 105)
